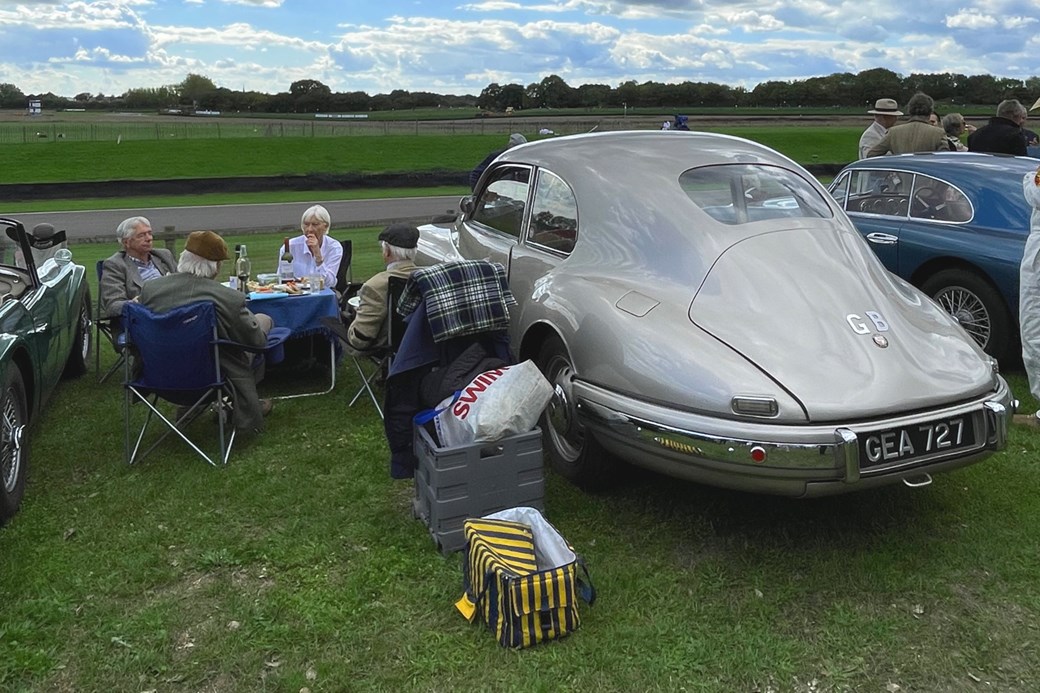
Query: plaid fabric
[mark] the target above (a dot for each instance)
(462, 298)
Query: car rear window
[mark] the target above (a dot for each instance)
(746, 193)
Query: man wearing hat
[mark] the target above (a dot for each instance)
(886, 114)
(368, 330)
(195, 280)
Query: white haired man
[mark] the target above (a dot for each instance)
(195, 280)
(125, 272)
(368, 329)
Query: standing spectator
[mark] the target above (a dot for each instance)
(1003, 133)
(954, 126)
(886, 114)
(1029, 295)
(125, 272)
(933, 120)
(915, 135)
(474, 175)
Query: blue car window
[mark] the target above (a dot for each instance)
(554, 214)
(746, 193)
(877, 191)
(939, 201)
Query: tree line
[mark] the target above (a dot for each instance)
(311, 96)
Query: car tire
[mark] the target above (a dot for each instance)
(14, 452)
(573, 452)
(82, 342)
(977, 306)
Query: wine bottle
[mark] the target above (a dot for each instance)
(285, 264)
(243, 269)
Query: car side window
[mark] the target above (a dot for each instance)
(554, 214)
(503, 200)
(939, 201)
(877, 191)
(745, 193)
(840, 189)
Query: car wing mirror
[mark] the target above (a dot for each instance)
(467, 205)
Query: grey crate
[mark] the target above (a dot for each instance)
(453, 484)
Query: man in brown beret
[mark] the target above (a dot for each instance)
(195, 280)
(368, 330)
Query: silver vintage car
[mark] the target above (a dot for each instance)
(703, 308)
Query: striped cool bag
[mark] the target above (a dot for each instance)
(521, 578)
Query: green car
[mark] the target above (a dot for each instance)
(45, 333)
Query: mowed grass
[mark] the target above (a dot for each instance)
(62, 161)
(299, 565)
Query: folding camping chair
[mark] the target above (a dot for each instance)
(112, 329)
(372, 365)
(177, 359)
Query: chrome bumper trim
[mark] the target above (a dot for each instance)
(803, 453)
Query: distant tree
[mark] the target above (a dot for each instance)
(879, 83)
(593, 95)
(194, 89)
(82, 96)
(983, 89)
(309, 96)
(141, 99)
(11, 96)
(490, 98)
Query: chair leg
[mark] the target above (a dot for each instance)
(366, 385)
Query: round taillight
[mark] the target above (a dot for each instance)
(758, 454)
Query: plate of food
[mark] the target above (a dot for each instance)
(293, 288)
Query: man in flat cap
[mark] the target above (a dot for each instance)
(886, 114)
(368, 330)
(195, 280)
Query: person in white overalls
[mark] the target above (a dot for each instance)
(1029, 296)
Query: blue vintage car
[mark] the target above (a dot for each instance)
(951, 223)
(45, 331)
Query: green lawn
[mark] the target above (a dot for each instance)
(300, 566)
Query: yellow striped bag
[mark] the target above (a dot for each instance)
(521, 578)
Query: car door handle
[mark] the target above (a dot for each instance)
(882, 238)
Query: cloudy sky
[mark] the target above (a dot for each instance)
(450, 47)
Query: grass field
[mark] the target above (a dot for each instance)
(299, 566)
(205, 158)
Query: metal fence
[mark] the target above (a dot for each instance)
(184, 128)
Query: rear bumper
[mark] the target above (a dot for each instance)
(764, 457)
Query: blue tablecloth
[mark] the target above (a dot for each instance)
(301, 314)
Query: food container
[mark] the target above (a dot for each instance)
(271, 278)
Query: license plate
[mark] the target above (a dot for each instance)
(917, 441)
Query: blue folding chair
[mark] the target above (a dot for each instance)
(176, 358)
(112, 329)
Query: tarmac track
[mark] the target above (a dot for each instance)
(100, 225)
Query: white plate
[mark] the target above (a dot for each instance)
(354, 302)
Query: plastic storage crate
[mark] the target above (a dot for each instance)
(453, 484)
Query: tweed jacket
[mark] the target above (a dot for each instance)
(234, 322)
(915, 135)
(121, 281)
(368, 330)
